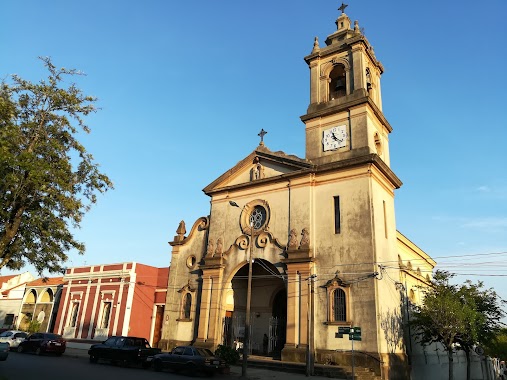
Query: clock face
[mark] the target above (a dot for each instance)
(335, 138)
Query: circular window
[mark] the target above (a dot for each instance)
(191, 260)
(256, 215)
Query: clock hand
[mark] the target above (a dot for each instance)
(334, 137)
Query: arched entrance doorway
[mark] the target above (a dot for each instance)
(268, 310)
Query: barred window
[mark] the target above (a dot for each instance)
(187, 306)
(339, 306)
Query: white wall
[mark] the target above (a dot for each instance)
(432, 363)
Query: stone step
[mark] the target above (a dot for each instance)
(331, 371)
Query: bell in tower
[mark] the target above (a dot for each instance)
(337, 84)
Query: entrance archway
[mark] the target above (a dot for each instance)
(268, 309)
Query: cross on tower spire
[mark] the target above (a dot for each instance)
(261, 134)
(342, 8)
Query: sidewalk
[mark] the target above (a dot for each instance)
(262, 374)
(78, 350)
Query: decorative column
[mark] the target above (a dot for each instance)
(210, 310)
(299, 264)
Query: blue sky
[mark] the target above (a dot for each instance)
(185, 86)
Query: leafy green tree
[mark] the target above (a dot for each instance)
(497, 347)
(441, 317)
(484, 323)
(48, 180)
(458, 317)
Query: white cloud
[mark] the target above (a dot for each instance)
(484, 223)
(484, 189)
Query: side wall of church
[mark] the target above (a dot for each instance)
(183, 279)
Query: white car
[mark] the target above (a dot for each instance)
(13, 338)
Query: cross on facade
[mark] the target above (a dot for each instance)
(342, 8)
(261, 134)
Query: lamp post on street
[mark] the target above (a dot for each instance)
(246, 342)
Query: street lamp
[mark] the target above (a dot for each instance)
(246, 342)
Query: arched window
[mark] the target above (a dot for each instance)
(339, 305)
(337, 82)
(411, 296)
(47, 296)
(31, 297)
(187, 306)
(368, 79)
(338, 293)
(186, 303)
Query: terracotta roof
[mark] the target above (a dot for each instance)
(48, 281)
(7, 278)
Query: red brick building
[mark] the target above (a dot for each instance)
(98, 301)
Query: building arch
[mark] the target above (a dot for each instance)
(268, 308)
(47, 296)
(31, 296)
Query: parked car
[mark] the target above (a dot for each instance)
(41, 343)
(124, 350)
(13, 337)
(189, 358)
(4, 351)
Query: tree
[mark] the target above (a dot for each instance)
(497, 347)
(484, 323)
(458, 317)
(48, 181)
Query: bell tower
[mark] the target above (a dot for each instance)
(344, 119)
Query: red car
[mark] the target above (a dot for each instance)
(43, 343)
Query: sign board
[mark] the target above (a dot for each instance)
(354, 333)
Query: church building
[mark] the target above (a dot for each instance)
(320, 232)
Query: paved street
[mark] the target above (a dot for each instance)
(74, 365)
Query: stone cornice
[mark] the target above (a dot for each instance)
(359, 97)
(371, 158)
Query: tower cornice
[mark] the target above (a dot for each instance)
(344, 104)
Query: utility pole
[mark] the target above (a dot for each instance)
(246, 340)
(309, 351)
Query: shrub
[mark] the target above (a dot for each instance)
(229, 354)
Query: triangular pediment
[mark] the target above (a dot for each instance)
(260, 165)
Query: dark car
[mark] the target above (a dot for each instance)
(41, 343)
(189, 358)
(124, 350)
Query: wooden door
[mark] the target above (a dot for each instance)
(159, 316)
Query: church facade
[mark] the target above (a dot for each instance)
(320, 232)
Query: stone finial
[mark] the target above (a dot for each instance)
(305, 240)
(316, 47)
(293, 239)
(220, 247)
(356, 27)
(210, 251)
(180, 232)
